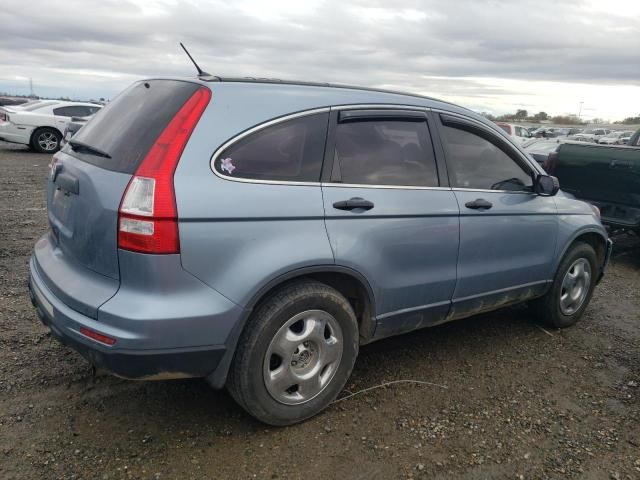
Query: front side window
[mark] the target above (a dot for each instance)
(288, 151)
(476, 163)
(385, 152)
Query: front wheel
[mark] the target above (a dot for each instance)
(295, 354)
(572, 288)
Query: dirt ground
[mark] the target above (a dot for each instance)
(520, 401)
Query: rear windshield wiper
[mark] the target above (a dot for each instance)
(84, 148)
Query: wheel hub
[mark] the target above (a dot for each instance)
(575, 286)
(303, 357)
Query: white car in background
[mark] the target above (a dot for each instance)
(40, 123)
(516, 132)
(591, 135)
(615, 138)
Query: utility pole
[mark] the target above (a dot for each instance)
(580, 110)
(30, 87)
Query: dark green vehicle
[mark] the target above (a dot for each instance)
(608, 176)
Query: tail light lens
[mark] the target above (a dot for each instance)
(4, 117)
(148, 217)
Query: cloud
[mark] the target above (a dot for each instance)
(96, 48)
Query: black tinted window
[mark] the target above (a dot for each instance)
(385, 152)
(127, 126)
(289, 151)
(72, 111)
(474, 162)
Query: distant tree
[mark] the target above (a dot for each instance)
(540, 116)
(567, 120)
(630, 120)
(488, 116)
(521, 114)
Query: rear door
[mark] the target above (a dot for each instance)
(390, 214)
(507, 232)
(88, 178)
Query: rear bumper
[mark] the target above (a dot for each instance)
(11, 133)
(127, 360)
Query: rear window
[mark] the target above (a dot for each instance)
(126, 128)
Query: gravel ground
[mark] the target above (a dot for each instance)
(520, 401)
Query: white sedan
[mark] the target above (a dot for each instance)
(40, 124)
(516, 132)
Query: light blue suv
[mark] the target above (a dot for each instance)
(257, 232)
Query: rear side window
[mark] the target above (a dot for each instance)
(126, 128)
(385, 152)
(73, 111)
(288, 151)
(473, 162)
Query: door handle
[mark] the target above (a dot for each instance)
(479, 204)
(353, 204)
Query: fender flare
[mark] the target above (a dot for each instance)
(589, 229)
(218, 378)
(35, 129)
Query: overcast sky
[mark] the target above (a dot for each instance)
(494, 55)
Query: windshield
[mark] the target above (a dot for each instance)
(589, 131)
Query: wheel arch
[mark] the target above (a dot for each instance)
(43, 127)
(591, 236)
(349, 282)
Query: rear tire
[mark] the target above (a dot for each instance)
(295, 354)
(563, 305)
(46, 140)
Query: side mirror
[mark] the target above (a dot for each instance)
(546, 185)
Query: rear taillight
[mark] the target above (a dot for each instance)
(148, 218)
(4, 117)
(97, 336)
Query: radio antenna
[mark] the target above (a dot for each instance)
(201, 73)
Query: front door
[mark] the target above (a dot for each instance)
(507, 232)
(389, 216)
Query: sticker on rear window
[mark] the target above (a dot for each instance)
(227, 166)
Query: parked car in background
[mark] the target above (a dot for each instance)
(591, 135)
(614, 138)
(565, 132)
(606, 176)
(634, 140)
(75, 124)
(259, 244)
(516, 132)
(625, 137)
(541, 149)
(12, 101)
(546, 132)
(40, 124)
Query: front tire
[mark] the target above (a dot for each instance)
(563, 305)
(46, 140)
(295, 354)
